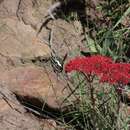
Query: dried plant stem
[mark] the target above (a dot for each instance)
(52, 9)
(89, 79)
(92, 94)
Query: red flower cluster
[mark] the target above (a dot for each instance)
(102, 66)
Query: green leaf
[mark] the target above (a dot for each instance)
(92, 45)
(101, 94)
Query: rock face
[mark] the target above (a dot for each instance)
(11, 119)
(8, 8)
(36, 82)
(20, 45)
(20, 41)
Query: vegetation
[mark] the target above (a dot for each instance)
(106, 33)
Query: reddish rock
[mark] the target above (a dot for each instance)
(10, 119)
(19, 41)
(35, 82)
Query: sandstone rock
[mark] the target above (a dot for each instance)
(35, 82)
(19, 41)
(51, 125)
(11, 119)
(5, 63)
(3, 105)
(30, 81)
(8, 8)
(19, 23)
(26, 12)
(65, 38)
(14, 120)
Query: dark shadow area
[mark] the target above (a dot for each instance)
(77, 6)
(65, 9)
(39, 108)
(125, 99)
(71, 114)
(44, 111)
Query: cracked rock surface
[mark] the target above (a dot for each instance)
(20, 49)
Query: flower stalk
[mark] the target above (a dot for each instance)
(116, 74)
